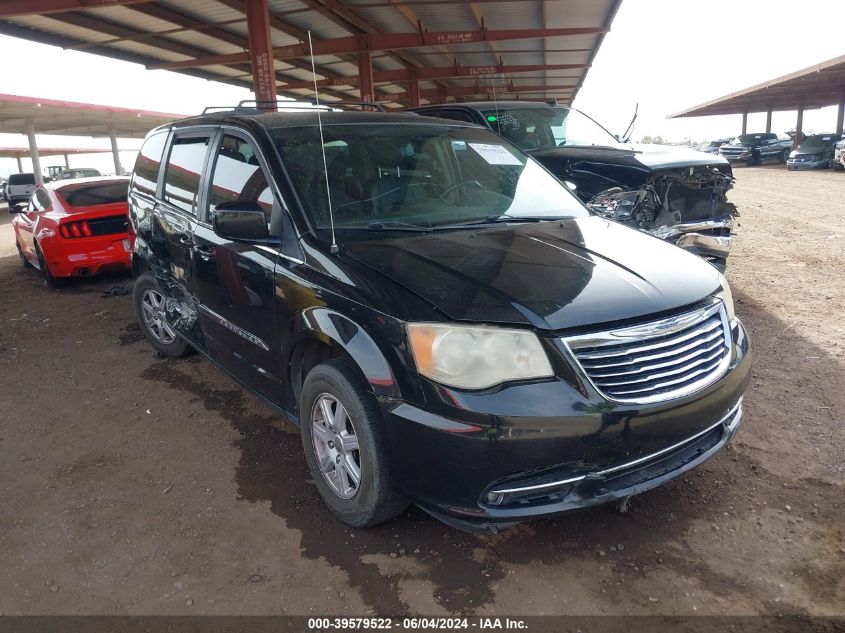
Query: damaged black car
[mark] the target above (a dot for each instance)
(674, 193)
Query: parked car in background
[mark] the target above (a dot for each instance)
(713, 146)
(838, 162)
(674, 193)
(753, 149)
(81, 172)
(74, 228)
(3, 184)
(459, 332)
(815, 152)
(19, 188)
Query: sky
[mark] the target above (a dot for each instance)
(666, 55)
(669, 55)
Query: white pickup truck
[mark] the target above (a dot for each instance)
(19, 188)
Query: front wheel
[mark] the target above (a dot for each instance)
(149, 304)
(346, 447)
(785, 155)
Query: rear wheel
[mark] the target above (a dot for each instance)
(46, 275)
(150, 313)
(345, 446)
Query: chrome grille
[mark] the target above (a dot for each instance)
(658, 360)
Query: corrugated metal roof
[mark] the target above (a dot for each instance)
(168, 31)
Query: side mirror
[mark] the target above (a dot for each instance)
(240, 221)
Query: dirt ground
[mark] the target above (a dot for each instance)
(134, 485)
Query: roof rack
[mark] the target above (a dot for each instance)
(251, 106)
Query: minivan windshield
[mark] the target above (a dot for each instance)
(552, 126)
(418, 177)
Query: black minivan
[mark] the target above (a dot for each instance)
(445, 321)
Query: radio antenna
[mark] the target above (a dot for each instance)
(334, 248)
(496, 103)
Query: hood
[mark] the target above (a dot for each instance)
(645, 157)
(551, 275)
(815, 149)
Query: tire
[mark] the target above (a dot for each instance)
(148, 302)
(785, 156)
(754, 160)
(333, 385)
(24, 261)
(46, 276)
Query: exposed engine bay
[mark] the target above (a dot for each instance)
(686, 206)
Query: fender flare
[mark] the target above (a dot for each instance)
(338, 331)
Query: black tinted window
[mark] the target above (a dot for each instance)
(40, 200)
(92, 195)
(22, 179)
(148, 162)
(184, 167)
(238, 177)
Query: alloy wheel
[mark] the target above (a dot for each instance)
(152, 310)
(336, 446)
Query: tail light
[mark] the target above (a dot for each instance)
(75, 229)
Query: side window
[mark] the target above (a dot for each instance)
(238, 178)
(183, 172)
(145, 175)
(40, 201)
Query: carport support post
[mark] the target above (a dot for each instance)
(261, 53)
(365, 74)
(118, 170)
(840, 117)
(20, 165)
(744, 122)
(799, 125)
(33, 152)
(768, 121)
(67, 162)
(414, 93)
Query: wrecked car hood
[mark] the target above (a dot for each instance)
(550, 275)
(644, 157)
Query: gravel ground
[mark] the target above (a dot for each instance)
(134, 485)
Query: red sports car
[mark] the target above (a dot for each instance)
(74, 228)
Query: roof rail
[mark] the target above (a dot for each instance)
(251, 106)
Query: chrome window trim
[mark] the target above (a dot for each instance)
(661, 327)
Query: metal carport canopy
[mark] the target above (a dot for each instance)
(398, 52)
(33, 115)
(818, 86)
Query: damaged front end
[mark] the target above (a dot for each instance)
(685, 206)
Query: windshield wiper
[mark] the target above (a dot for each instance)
(503, 218)
(393, 225)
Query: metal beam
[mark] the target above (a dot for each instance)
(437, 72)
(840, 116)
(768, 120)
(466, 91)
(33, 154)
(744, 122)
(414, 93)
(365, 72)
(19, 8)
(261, 52)
(118, 169)
(381, 41)
(799, 125)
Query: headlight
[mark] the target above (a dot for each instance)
(472, 357)
(727, 297)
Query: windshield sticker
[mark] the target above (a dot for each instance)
(495, 154)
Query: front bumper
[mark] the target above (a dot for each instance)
(88, 256)
(486, 461)
(797, 163)
(710, 239)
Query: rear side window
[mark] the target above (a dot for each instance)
(182, 175)
(108, 193)
(40, 201)
(22, 179)
(145, 174)
(238, 178)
